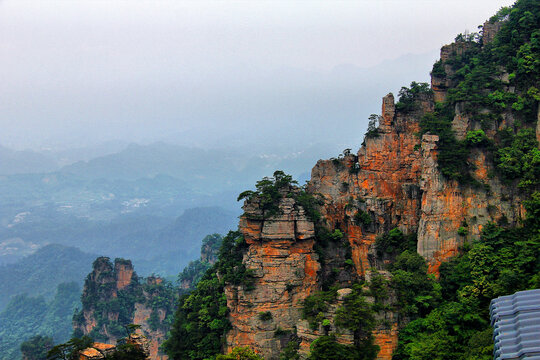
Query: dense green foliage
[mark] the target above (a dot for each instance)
(37, 347)
(356, 315)
(270, 190)
(240, 353)
(327, 348)
(518, 158)
(268, 193)
(416, 291)
(501, 262)
(201, 318)
(395, 242)
(362, 218)
(26, 316)
(408, 97)
(316, 305)
(438, 70)
(484, 94)
(192, 274)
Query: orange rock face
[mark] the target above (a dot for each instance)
(285, 268)
(124, 273)
(154, 337)
(447, 206)
(392, 182)
(385, 186)
(387, 340)
(97, 351)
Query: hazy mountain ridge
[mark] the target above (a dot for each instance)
(24, 162)
(40, 273)
(162, 245)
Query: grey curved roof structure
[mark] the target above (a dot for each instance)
(516, 325)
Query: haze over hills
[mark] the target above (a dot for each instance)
(132, 194)
(24, 162)
(64, 192)
(39, 274)
(162, 244)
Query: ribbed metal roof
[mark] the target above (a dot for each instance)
(516, 325)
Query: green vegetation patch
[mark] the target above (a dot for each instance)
(501, 262)
(200, 322)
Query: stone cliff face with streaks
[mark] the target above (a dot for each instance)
(114, 297)
(285, 270)
(381, 180)
(392, 181)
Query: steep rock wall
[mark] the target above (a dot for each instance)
(447, 206)
(284, 267)
(113, 297)
(393, 181)
(382, 180)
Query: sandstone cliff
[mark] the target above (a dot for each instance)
(393, 181)
(114, 297)
(355, 264)
(284, 266)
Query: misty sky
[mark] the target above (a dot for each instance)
(76, 73)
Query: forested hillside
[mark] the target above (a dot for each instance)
(26, 316)
(40, 273)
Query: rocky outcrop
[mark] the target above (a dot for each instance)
(489, 30)
(382, 181)
(441, 83)
(100, 351)
(392, 182)
(284, 267)
(114, 297)
(97, 351)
